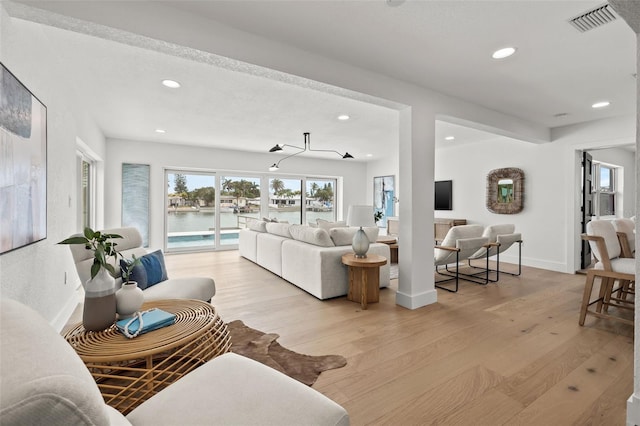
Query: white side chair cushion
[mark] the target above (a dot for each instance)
(492, 231)
(42, 379)
(624, 265)
(604, 229)
(201, 288)
(235, 390)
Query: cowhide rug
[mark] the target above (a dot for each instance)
(263, 348)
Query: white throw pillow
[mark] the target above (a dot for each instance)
(281, 229)
(258, 225)
(326, 225)
(315, 236)
(344, 236)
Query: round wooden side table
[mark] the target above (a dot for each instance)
(364, 277)
(130, 371)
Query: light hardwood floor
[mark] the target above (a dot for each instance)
(510, 353)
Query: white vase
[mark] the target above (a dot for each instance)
(129, 299)
(99, 311)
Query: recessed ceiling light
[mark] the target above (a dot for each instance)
(171, 84)
(369, 155)
(449, 138)
(343, 117)
(160, 131)
(503, 53)
(601, 104)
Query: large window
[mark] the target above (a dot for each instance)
(207, 210)
(190, 211)
(285, 200)
(239, 203)
(320, 199)
(605, 187)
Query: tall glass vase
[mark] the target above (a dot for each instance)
(99, 311)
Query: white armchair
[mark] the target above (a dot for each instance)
(501, 238)
(459, 243)
(200, 288)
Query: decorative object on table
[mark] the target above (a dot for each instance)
(505, 191)
(264, 348)
(129, 298)
(99, 311)
(23, 126)
(360, 216)
(307, 147)
(145, 321)
(383, 197)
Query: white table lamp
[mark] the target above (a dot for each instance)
(360, 216)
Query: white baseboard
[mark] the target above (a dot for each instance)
(65, 313)
(416, 301)
(633, 411)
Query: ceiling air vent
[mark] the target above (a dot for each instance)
(593, 18)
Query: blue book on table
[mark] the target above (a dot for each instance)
(152, 319)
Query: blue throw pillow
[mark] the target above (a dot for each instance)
(150, 271)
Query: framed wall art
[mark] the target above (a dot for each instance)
(23, 165)
(383, 198)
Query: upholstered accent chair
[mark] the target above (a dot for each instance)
(501, 238)
(610, 269)
(44, 382)
(200, 288)
(459, 243)
(625, 229)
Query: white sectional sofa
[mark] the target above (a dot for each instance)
(307, 257)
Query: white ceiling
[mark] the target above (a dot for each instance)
(444, 45)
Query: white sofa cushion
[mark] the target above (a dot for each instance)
(315, 236)
(248, 244)
(281, 229)
(244, 392)
(344, 236)
(269, 251)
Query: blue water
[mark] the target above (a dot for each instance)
(204, 221)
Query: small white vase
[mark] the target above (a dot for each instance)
(129, 299)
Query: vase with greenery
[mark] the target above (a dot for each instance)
(99, 311)
(129, 298)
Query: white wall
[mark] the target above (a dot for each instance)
(161, 156)
(467, 165)
(35, 274)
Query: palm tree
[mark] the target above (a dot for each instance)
(277, 185)
(313, 187)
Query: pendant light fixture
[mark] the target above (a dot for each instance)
(307, 147)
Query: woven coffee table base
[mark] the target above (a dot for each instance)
(130, 371)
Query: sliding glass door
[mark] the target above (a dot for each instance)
(190, 211)
(239, 203)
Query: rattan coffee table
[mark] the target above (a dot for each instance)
(130, 371)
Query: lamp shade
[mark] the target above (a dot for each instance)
(360, 216)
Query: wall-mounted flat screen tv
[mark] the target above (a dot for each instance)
(444, 195)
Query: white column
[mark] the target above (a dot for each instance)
(416, 157)
(629, 10)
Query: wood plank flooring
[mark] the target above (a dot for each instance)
(510, 353)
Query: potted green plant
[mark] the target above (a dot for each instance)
(377, 216)
(99, 309)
